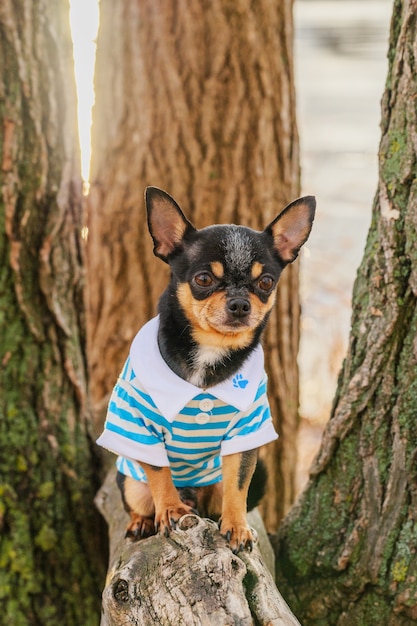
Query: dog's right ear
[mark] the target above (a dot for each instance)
(167, 223)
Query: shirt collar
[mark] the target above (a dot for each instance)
(172, 393)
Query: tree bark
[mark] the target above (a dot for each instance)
(347, 552)
(198, 99)
(192, 577)
(50, 554)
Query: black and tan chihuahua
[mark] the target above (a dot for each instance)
(188, 440)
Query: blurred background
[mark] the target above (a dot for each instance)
(340, 52)
(340, 67)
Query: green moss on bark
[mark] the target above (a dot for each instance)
(52, 558)
(347, 552)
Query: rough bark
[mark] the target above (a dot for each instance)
(192, 577)
(196, 98)
(347, 552)
(50, 558)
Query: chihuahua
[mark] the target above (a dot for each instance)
(190, 409)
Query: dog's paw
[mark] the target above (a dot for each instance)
(140, 527)
(237, 534)
(166, 519)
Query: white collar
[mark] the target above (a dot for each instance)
(172, 393)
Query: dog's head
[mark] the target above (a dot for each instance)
(225, 277)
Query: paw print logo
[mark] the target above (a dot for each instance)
(239, 382)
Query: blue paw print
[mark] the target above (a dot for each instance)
(239, 382)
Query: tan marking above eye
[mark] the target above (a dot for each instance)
(217, 269)
(257, 269)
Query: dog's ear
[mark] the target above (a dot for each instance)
(290, 230)
(167, 223)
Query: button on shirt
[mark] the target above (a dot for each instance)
(156, 417)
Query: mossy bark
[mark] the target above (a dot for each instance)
(347, 552)
(196, 98)
(51, 563)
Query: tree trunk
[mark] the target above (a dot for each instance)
(347, 552)
(51, 560)
(196, 98)
(190, 578)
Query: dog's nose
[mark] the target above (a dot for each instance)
(238, 307)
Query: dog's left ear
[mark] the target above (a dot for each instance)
(167, 223)
(290, 230)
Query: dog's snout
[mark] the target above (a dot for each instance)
(238, 307)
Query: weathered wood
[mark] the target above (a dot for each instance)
(192, 577)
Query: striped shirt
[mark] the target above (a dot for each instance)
(158, 418)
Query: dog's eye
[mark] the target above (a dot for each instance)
(265, 283)
(204, 279)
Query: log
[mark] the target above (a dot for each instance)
(191, 577)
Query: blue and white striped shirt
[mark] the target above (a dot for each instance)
(158, 418)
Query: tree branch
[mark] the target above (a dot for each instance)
(190, 578)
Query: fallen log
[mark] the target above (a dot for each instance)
(190, 578)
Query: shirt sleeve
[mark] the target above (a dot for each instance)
(252, 428)
(133, 427)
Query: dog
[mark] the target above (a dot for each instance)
(190, 409)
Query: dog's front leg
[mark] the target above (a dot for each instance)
(237, 473)
(168, 505)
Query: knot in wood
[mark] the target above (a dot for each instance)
(188, 521)
(121, 591)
